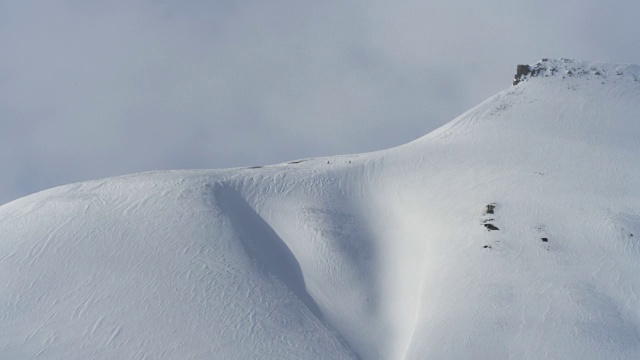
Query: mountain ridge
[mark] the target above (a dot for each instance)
(574, 68)
(385, 255)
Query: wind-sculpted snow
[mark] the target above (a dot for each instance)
(511, 232)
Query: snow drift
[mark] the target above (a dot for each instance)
(511, 232)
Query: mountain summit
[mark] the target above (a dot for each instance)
(571, 68)
(510, 232)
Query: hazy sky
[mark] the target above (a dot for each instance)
(91, 89)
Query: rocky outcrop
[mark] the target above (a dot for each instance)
(568, 68)
(521, 72)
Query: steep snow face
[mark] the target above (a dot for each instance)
(511, 232)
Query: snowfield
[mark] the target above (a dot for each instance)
(513, 232)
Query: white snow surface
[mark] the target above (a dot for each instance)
(373, 256)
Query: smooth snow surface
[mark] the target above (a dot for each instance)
(387, 255)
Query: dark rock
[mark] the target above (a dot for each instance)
(545, 240)
(491, 227)
(521, 72)
(487, 247)
(490, 209)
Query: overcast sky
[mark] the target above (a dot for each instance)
(91, 89)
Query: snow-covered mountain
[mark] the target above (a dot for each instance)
(511, 232)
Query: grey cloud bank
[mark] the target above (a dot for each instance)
(93, 89)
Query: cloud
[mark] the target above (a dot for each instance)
(96, 89)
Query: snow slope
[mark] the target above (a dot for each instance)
(387, 255)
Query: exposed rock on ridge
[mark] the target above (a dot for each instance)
(573, 68)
